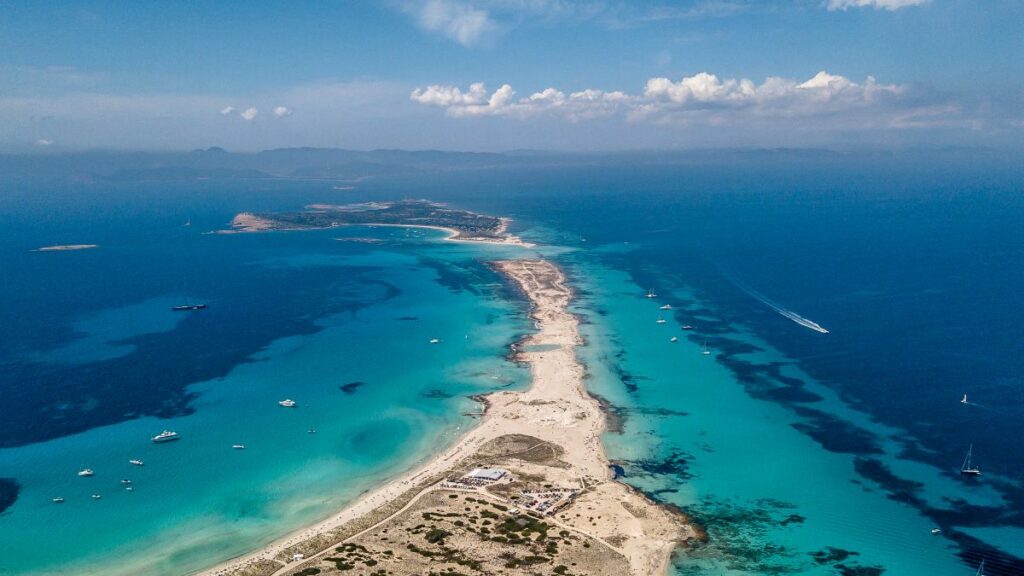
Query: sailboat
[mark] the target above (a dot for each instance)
(981, 569)
(187, 307)
(651, 294)
(968, 469)
(705, 350)
(964, 399)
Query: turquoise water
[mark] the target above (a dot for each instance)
(196, 500)
(770, 497)
(799, 452)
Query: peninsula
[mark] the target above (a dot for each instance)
(460, 224)
(526, 491)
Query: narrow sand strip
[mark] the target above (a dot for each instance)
(556, 408)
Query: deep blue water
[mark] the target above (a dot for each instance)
(915, 270)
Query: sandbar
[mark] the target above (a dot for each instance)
(556, 409)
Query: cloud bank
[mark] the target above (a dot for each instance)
(701, 96)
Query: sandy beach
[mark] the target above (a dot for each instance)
(459, 236)
(246, 222)
(556, 408)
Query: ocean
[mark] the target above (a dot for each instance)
(800, 452)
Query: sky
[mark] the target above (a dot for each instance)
(497, 75)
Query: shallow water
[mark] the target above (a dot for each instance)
(197, 500)
(801, 452)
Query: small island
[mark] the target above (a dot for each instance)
(462, 225)
(66, 247)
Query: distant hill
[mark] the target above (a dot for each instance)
(346, 165)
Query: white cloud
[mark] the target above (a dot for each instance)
(282, 111)
(703, 96)
(877, 4)
(476, 101)
(457, 20)
(43, 142)
(249, 113)
(227, 110)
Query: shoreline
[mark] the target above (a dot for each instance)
(556, 407)
(250, 224)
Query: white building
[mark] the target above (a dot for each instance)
(492, 474)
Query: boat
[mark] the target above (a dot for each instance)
(705, 350)
(651, 294)
(58, 500)
(665, 307)
(981, 569)
(661, 320)
(964, 399)
(674, 339)
(165, 436)
(129, 488)
(311, 431)
(434, 340)
(238, 446)
(126, 481)
(287, 403)
(936, 530)
(188, 307)
(136, 462)
(96, 496)
(967, 468)
(86, 472)
(687, 327)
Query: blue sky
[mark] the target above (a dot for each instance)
(507, 74)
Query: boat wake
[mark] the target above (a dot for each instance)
(805, 322)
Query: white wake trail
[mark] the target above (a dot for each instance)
(805, 322)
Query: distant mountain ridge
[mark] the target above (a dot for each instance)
(346, 165)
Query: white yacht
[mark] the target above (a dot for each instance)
(434, 340)
(126, 481)
(661, 320)
(674, 339)
(967, 468)
(287, 403)
(86, 472)
(705, 350)
(136, 462)
(96, 496)
(58, 500)
(666, 307)
(238, 446)
(165, 436)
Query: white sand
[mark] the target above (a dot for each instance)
(556, 408)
